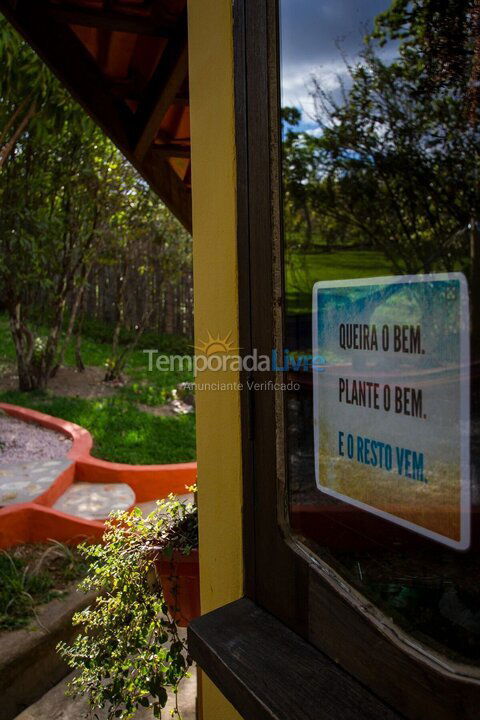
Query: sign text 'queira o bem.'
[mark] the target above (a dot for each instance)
(392, 401)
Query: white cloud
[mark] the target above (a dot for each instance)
(296, 84)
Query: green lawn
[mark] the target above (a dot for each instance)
(121, 432)
(305, 269)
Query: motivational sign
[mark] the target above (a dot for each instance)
(391, 401)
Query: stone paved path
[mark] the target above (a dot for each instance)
(25, 481)
(95, 501)
(55, 705)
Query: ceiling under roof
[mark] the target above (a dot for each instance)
(126, 62)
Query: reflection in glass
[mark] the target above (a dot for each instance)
(380, 109)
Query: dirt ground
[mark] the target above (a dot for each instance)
(90, 384)
(69, 383)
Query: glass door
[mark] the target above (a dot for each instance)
(380, 144)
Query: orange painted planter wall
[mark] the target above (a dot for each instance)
(39, 522)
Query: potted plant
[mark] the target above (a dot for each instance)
(175, 543)
(129, 651)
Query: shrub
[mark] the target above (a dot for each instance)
(129, 652)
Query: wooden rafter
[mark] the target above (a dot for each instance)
(171, 150)
(113, 20)
(166, 82)
(128, 87)
(63, 52)
(160, 173)
(133, 90)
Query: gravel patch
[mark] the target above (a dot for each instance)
(25, 442)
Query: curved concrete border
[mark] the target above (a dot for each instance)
(39, 522)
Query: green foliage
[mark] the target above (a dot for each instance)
(76, 220)
(393, 164)
(121, 433)
(30, 576)
(26, 82)
(304, 269)
(129, 653)
(102, 332)
(436, 35)
(20, 590)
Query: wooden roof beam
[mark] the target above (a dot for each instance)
(126, 88)
(174, 192)
(67, 57)
(166, 82)
(112, 20)
(133, 90)
(168, 150)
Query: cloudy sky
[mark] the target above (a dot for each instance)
(314, 35)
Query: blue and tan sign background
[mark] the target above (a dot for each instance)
(391, 405)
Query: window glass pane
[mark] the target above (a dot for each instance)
(380, 108)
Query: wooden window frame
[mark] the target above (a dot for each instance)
(282, 576)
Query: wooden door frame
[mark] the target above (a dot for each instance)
(282, 575)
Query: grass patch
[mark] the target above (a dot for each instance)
(120, 431)
(303, 270)
(33, 575)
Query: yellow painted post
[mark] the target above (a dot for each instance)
(216, 312)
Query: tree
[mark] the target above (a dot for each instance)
(51, 217)
(78, 226)
(394, 165)
(441, 39)
(298, 173)
(31, 98)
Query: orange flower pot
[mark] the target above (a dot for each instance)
(179, 578)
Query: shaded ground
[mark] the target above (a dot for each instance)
(90, 384)
(55, 705)
(69, 383)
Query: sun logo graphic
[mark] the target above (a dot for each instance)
(216, 345)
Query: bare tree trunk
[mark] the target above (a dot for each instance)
(308, 226)
(71, 323)
(24, 346)
(9, 146)
(116, 370)
(11, 121)
(112, 371)
(78, 343)
(170, 310)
